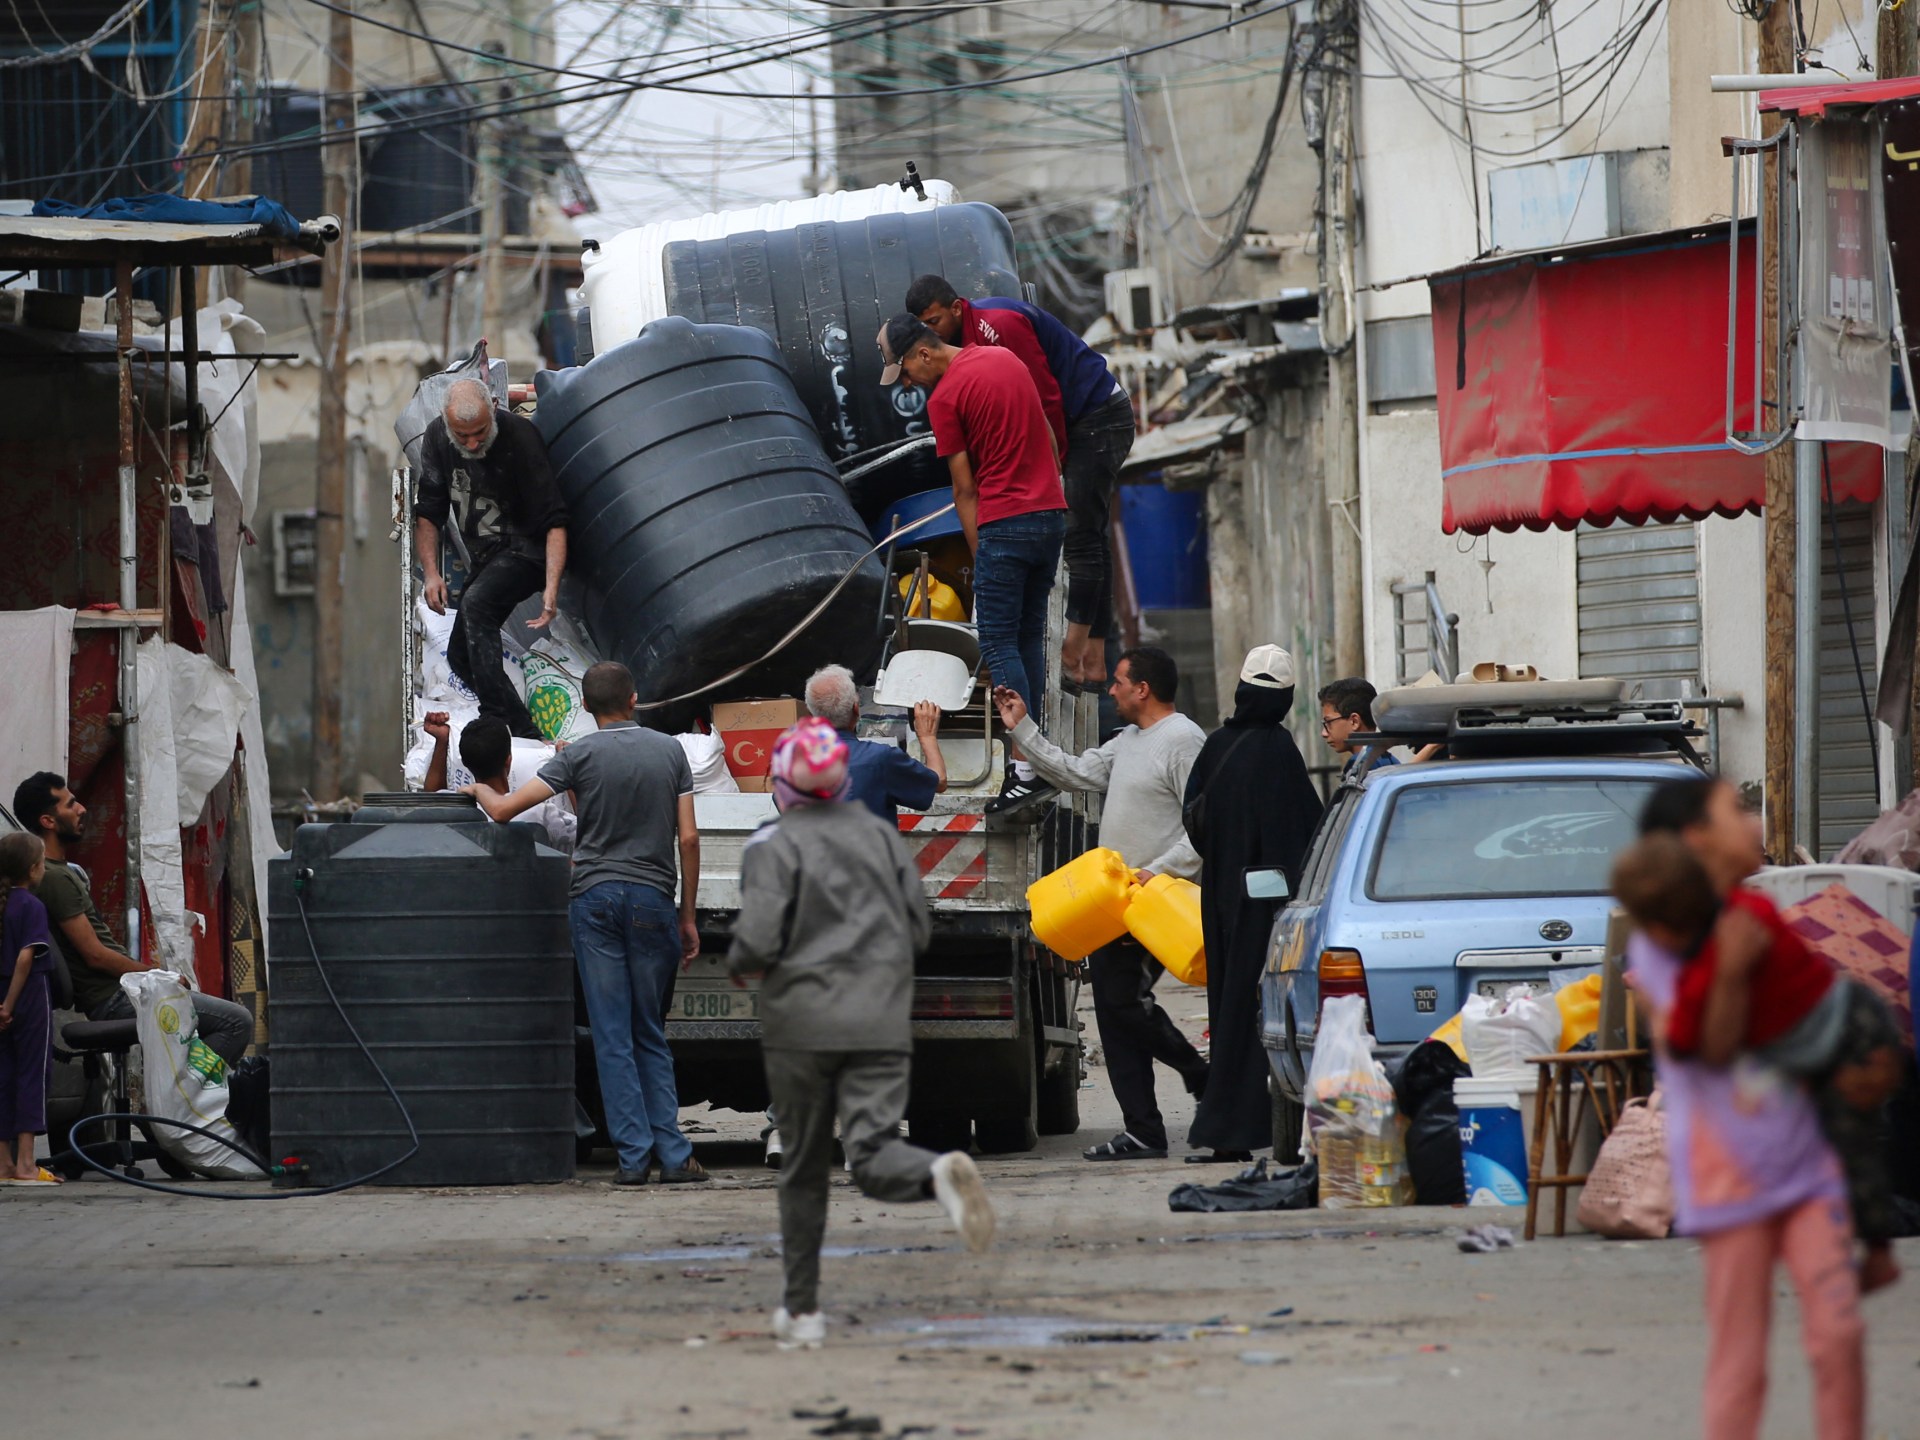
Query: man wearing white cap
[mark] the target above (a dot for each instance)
(1250, 805)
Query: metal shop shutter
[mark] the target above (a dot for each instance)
(1638, 598)
(1847, 799)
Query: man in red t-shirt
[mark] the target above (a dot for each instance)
(989, 426)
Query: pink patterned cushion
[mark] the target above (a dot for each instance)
(1861, 943)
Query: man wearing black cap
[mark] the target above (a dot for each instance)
(989, 426)
(1092, 421)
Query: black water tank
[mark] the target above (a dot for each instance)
(289, 170)
(447, 945)
(822, 291)
(419, 175)
(703, 515)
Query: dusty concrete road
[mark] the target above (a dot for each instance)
(581, 1311)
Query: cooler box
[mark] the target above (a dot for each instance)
(1496, 1136)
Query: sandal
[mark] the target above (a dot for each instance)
(1221, 1157)
(1124, 1147)
(45, 1177)
(691, 1173)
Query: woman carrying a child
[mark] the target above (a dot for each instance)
(1754, 1174)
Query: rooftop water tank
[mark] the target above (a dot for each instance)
(703, 515)
(447, 946)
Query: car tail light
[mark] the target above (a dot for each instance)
(1343, 973)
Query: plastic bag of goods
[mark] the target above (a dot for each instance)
(1345, 1084)
(1359, 1172)
(1502, 1034)
(185, 1080)
(439, 686)
(553, 697)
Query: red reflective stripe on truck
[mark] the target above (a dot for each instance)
(967, 881)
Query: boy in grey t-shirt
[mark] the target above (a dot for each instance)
(633, 791)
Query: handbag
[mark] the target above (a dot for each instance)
(1193, 814)
(1629, 1194)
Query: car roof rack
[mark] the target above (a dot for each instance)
(1490, 730)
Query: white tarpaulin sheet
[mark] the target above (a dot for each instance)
(190, 716)
(36, 652)
(1845, 293)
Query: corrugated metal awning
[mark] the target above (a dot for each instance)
(1183, 440)
(55, 240)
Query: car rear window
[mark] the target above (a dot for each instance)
(1505, 838)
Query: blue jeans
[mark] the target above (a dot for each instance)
(626, 941)
(1012, 577)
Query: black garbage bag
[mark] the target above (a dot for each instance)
(1423, 1086)
(1251, 1189)
(249, 1107)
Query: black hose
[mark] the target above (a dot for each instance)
(413, 1133)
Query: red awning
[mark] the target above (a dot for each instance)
(1817, 99)
(1589, 386)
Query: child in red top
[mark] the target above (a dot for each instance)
(1800, 1013)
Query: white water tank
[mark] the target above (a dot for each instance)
(625, 284)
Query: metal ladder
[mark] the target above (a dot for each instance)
(1426, 633)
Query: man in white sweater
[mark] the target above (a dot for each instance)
(1143, 772)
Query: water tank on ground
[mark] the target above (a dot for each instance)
(447, 945)
(703, 514)
(820, 277)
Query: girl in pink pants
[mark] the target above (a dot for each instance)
(1816, 1243)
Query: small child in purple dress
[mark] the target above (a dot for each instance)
(26, 1009)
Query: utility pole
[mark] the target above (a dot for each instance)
(206, 114)
(1782, 777)
(493, 229)
(1896, 54)
(339, 160)
(246, 64)
(1339, 325)
(493, 211)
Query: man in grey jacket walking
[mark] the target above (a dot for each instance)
(832, 913)
(1143, 773)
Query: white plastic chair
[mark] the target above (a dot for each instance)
(1895, 893)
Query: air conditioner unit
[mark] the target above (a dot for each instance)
(1133, 299)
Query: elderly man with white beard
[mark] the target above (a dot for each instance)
(484, 471)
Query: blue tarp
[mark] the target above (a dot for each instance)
(270, 215)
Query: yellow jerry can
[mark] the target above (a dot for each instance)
(1164, 916)
(1082, 905)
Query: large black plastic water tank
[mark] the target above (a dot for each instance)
(420, 175)
(290, 169)
(703, 514)
(447, 945)
(822, 291)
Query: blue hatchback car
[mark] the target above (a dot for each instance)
(1429, 883)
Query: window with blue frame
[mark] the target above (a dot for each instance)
(112, 124)
(82, 130)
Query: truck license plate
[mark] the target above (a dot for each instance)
(707, 1004)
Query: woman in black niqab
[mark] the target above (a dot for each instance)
(1259, 811)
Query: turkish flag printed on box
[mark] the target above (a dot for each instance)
(749, 728)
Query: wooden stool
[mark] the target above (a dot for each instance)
(1605, 1080)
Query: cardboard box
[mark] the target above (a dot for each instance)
(749, 728)
(755, 784)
